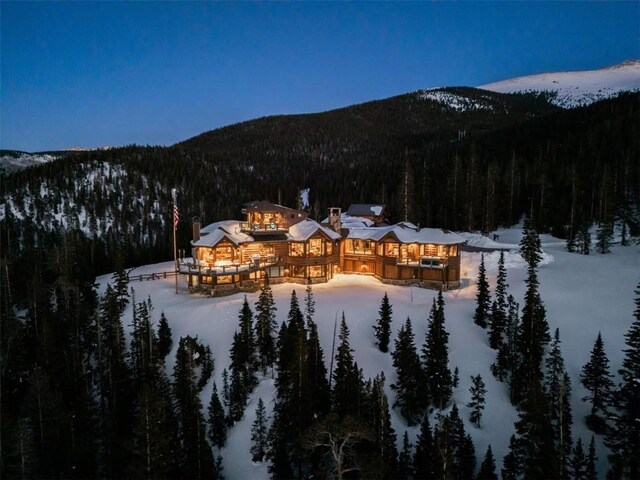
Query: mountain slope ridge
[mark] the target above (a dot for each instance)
(575, 88)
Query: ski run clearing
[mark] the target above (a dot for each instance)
(583, 295)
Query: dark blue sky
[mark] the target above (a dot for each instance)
(91, 74)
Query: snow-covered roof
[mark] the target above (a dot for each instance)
(374, 209)
(214, 233)
(407, 233)
(347, 221)
(303, 230)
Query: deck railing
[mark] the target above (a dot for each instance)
(230, 269)
(423, 262)
(271, 227)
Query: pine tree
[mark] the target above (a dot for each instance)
(454, 451)
(405, 464)
(501, 284)
(382, 328)
(604, 237)
(532, 338)
(409, 395)
(558, 393)
(530, 246)
(534, 442)
(584, 241)
(477, 391)
(483, 297)
(279, 448)
(197, 460)
(455, 381)
(309, 303)
(596, 379)
(488, 467)
(507, 359)
(346, 380)
(165, 342)
(623, 438)
(512, 466)
(592, 474)
(499, 307)
(154, 433)
(317, 371)
(265, 327)
(435, 356)
(259, 434)
(423, 459)
(217, 420)
(384, 434)
(117, 394)
(243, 362)
(226, 395)
(578, 462)
(463, 448)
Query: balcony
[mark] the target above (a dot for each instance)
(263, 228)
(222, 268)
(424, 262)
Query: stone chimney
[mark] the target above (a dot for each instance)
(196, 229)
(335, 218)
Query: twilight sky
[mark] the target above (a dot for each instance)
(114, 73)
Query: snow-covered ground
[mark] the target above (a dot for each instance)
(583, 295)
(576, 88)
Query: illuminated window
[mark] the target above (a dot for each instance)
(391, 250)
(453, 250)
(316, 271)
(296, 249)
(297, 271)
(225, 279)
(361, 247)
(328, 247)
(266, 249)
(224, 253)
(315, 247)
(413, 252)
(430, 250)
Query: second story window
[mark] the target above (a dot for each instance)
(315, 247)
(296, 249)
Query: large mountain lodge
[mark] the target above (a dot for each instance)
(286, 245)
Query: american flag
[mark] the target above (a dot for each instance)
(176, 217)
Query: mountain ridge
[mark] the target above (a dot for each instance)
(572, 89)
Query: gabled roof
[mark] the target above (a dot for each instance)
(264, 206)
(406, 232)
(302, 231)
(214, 233)
(368, 209)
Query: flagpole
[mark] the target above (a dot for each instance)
(175, 251)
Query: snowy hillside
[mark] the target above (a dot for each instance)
(579, 303)
(572, 89)
(96, 201)
(11, 161)
(458, 102)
